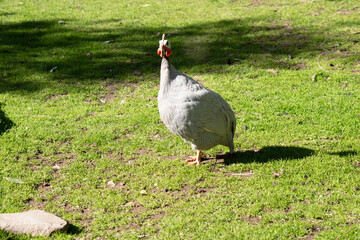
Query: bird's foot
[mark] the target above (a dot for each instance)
(196, 163)
(196, 160)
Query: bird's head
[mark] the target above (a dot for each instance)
(164, 47)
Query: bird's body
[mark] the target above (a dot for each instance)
(193, 112)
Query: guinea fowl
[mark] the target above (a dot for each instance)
(191, 111)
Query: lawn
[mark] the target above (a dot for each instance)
(81, 136)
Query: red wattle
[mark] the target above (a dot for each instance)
(168, 52)
(159, 51)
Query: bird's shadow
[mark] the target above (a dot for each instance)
(5, 122)
(265, 154)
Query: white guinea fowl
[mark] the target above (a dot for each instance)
(191, 111)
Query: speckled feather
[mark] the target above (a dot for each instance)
(193, 112)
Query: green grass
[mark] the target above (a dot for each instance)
(81, 94)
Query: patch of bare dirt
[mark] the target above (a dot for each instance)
(143, 151)
(188, 191)
(112, 91)
(111, 94)
(197, 77)
(43, 187)
(110, 155)
(62, 159)
(312, 232)
(286, 25)
(85, 218)
(135, 207)
(56, 96)
(348, 11)
(300, 66)
(157, 216)
(155, 137)
(257, 3)
(174, 157)
(35, 204)
(252, 220)
(184, 192)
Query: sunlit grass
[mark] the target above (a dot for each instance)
(78, 108)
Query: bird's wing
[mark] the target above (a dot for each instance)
(215, 114)
(201, 108)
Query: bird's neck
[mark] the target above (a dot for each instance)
(165, 63)
(165, 73)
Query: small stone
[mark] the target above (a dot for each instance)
(34, 222)
(245, 127)
(356, 188)
(166, 190)
(293, 189)
(111, 184)
(56, 167)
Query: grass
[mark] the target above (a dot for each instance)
(78, 109)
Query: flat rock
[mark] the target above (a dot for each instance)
(34, 222)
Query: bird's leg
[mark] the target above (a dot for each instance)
(193, 158)
(195, 161)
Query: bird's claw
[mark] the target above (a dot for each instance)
(196, 163)
(191, 159)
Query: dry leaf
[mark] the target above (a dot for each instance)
(143, 192)
(247, 174)
(53, 69)
(14, 180)
(273, 71)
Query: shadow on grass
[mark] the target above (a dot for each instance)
(48, 50)
(266, 154)
(344, 153)
(5, 122)
(73, 230)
